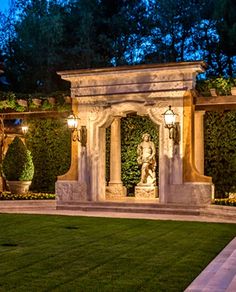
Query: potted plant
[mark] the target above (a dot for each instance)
(37, 101)
(18, 167)
(52, 100)
(213, 92)
(233, 90)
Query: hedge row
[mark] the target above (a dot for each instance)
(49, 142)
(220, 151)
(28, 196)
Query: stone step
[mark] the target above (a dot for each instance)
(222, 212)
(129, 209)
(132, 206)
(220, 274)
(27, 204)
(136, 204)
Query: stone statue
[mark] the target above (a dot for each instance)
(146, 157)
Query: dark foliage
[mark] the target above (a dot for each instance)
(48, 36)
(220, 154)
(49, 142)
(17, 163)
(132, 129)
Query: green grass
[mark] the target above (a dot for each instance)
(58, 253)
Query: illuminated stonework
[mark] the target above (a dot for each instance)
(101, 97)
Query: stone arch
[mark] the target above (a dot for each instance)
(101, 95)
(121, 110)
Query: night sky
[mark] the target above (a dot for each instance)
(3, 4)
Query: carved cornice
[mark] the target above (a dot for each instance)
(197, 66)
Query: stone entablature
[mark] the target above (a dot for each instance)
(102, 96)
(148, 81)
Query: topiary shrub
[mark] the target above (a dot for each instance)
(18, 164)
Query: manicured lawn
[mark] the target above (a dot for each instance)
(58, 253)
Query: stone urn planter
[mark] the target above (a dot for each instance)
(233, 90)
(213, 92)
(18, 187)
(22, 102)
(52, 100)
(37, 101)
(18, 167)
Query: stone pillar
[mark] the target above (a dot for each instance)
(199, 140)
(115, 187)
(115, 153)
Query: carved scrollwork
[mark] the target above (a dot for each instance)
(64, 191)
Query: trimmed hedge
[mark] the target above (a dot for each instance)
(27, 196)
(49, 142)
(220, 151)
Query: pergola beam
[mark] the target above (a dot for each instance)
(215, 103)
(34, 114)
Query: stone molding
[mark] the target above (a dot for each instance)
(146, 192)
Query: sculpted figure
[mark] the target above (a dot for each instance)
(146, 157)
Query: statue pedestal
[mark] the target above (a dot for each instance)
(146, 192)
(115, 192)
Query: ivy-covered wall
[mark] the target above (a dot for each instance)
(220, 151)
(49, 142)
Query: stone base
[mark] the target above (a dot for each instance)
(71, 190)
(146, 192)
(195, 193)
(115, 192)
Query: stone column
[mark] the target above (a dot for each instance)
(115, 187)
(199, 140)
(115, 153)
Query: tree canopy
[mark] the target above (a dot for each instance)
(39, 37)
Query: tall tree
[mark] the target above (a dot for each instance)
(51, 35)
(38, 32)
(177, 22)
(225, 13)
(101, 34)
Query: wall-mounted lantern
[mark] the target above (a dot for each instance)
(24, 127)
(171, 125)
(78, 134)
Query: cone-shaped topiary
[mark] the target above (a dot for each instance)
(18, 164)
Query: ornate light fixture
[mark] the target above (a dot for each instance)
(78, 134)
(171, 125)
(24, 127)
